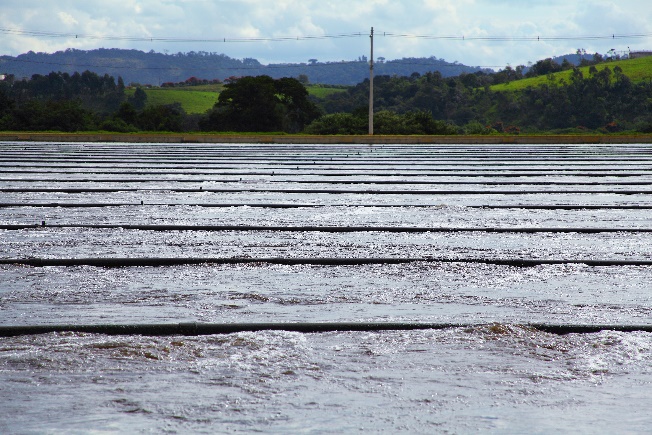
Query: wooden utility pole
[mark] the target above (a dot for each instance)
(371, 85)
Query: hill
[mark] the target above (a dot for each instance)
(638, 70)
(157, 68)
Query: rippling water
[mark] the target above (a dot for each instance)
(498, 376)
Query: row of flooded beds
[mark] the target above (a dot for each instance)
(419, 234)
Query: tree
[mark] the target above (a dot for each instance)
(64, 115)
(385, 122)
(296, 109)
(7, 107)
(543, 68)
(127, 113)
(139, 99)
(6, 104)
(261, 104)
(338, 123)
(161, 118)
(247, 104)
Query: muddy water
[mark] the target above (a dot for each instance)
(496, 377)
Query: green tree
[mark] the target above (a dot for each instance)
(296, 109)
(128, 113)
(124, 119)
(261, 104)
(339, 123)
(7, 107)
(6, 104)
(544, 67)
(121, 84)
(64, 115)
(161, 118)
(247, 104)
(139, 99)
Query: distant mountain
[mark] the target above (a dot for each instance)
(574, 59)
(157, 68)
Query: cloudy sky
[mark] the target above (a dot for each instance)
(201, 25)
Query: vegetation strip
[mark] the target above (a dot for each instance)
(327, 229)
(294, 153)
(335, 139)
(197, 329)
(317, 261)
(97, 150)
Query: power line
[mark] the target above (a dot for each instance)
(495, 38)
(176, 39)
(520, 38)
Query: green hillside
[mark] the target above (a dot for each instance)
(200, 99)
(192, 101)
(321, 91)
(637, 70)
(195, 99)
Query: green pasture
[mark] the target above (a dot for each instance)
(321, 91)
(636, 69)
(200, 99)
(192, 101)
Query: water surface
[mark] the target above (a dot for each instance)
(495, 376)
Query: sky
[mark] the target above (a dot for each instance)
(252, 28)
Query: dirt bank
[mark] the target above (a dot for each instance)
(309, 139)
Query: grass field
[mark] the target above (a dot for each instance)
(192, 100)
(320, 91)
(200, 99)
(636, 69)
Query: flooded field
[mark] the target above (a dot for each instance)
(581, 216)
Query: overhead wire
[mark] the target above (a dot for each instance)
(533, 38)
(501, 38)
(170, 39)
(177, 39)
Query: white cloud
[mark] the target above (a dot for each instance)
(67, 19)
(213, 20)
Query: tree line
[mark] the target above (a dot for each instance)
(604, 100)
(88, 102)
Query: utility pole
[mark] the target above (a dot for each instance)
(371, 85)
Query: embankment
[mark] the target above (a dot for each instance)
(313, 139)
